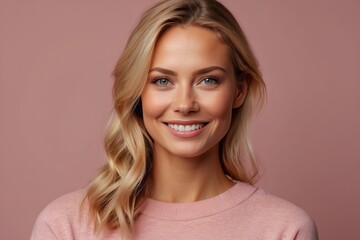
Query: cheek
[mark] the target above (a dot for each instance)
(219, 106)
(153, 105)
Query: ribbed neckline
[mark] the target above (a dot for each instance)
(186, 211)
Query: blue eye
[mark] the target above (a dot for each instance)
(210, 81)
(161, 82)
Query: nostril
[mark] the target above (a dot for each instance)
(187, 108)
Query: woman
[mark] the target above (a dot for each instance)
(180, 164)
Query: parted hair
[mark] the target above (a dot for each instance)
(116, 194)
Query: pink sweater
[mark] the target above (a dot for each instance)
(242, 212)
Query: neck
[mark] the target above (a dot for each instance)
(180, 179)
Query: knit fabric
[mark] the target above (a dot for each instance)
(242, 212)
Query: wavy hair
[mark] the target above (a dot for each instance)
(116, 194)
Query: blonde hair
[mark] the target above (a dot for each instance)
(116, 194)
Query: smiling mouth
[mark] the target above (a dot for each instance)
(186, 128)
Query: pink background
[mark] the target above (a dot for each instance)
(56, 59)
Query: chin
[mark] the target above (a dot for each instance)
(189, 153)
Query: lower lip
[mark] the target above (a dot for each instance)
(185, 134)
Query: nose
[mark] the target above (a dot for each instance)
(185, 100)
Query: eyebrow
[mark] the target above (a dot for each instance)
(198, 72)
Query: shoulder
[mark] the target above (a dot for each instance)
(278, 214)
(61, 217)
(280, 208)
(62, 207)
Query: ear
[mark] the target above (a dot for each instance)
(240, 93)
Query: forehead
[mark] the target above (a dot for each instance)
(191, 44)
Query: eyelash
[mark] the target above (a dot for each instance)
(157, 81)
(213, 79)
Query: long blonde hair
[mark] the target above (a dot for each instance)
(116, 194)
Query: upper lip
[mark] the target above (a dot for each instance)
(185, 122)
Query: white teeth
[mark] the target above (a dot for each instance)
(185, 128)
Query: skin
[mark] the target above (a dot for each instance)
(191, 81)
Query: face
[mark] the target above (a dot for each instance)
(190, 92)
